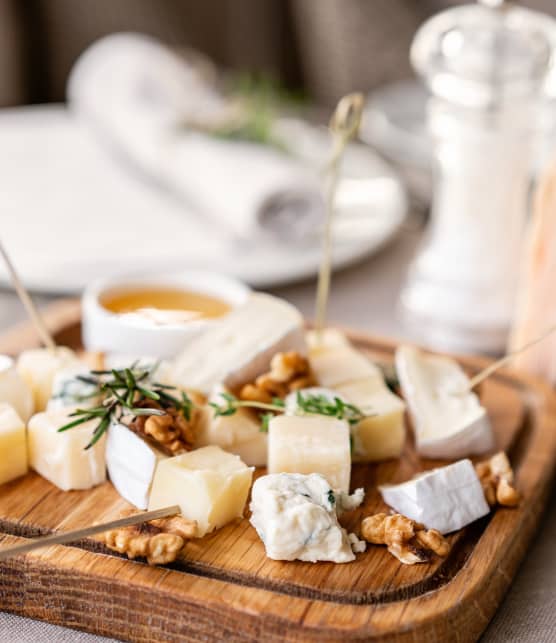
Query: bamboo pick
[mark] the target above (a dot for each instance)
(27, 302)
(78, 534)
(344, 125)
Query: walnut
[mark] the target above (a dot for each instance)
(406, 539)
(159, 541)
(288, 372)
(497, 478)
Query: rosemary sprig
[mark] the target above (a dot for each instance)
(125, 391)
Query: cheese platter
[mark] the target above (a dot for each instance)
(229, 583)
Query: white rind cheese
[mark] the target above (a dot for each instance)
(446, 499)
(210, 486)
(310, 444)
(131, 464)
(296, 518)
(14, 390)
(449, 420)
(61, 458)
(13, 444)
(239, 348)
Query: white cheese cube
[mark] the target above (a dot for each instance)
(296, 518)
(69, 392)
(238, 348)
(38, 368)
(14, 390)
(446, 499)
(131, 463)
(326, 338)
(381, 435)
(310, 444)
(448, 419)
(13, 444)
(61, 458)
(210, 486)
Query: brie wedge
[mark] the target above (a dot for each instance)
(296, 517)
(14, 390)
(131, 463)
(445, 499)
(448, 420)
(61, 458)
(239, 347)
(13, 444)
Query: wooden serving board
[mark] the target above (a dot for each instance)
(225, 587)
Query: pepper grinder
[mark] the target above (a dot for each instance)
(487, 66)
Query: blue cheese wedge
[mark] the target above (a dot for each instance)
(13, 389)
(448, 419)
(446, 499)
(296, 517)
(68, 391)
(239, 348)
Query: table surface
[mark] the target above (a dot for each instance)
(365, 297)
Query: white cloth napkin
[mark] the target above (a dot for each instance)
(136, 94)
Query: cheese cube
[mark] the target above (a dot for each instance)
(70, 392)
(381, 435)
(13, 444)
(131, 463)
(210, 486)
(13, 389)
(310, 444)
(238, 348)
(61, 458)
(38, 368)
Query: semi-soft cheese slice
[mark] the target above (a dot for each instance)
(310, 444)
(131, 463)
(295, 516)
(448, 419)
(38, 368)
(239, 347)
(14, 390)
(61, 458)
(13, 444)
(446, 499)
(210, 486)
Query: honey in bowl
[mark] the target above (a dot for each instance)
(164, 305)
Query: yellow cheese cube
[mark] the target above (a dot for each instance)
(13, 445)
(210, 486)
(61, 458)
(310, 444)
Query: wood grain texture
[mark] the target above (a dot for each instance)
(225, 587)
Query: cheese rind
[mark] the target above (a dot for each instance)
(39, 366)
(239, 347)
(448, 419)
(310, 444)
(131, 464)
(13, 444)
(61, 458)
(446, 499)
(14, 390)
(295, 516)
(210, 486)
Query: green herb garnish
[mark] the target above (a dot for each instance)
(331, 497)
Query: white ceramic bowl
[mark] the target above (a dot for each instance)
(128, 335)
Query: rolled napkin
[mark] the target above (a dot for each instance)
(140, 96)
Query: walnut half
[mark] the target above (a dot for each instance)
(406, 539)
(159, 541)
(497, 478)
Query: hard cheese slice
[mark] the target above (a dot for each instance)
(14, 390)
(239, 347)
(13, 444)
(61, 458)
(210, 486)
(310, 444)
(448, 419)
(131, 464)
(446, 499)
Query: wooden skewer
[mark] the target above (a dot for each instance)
(344, 126)
(45, 336)
(78, 534)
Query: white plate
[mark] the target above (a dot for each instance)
(71, 213)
